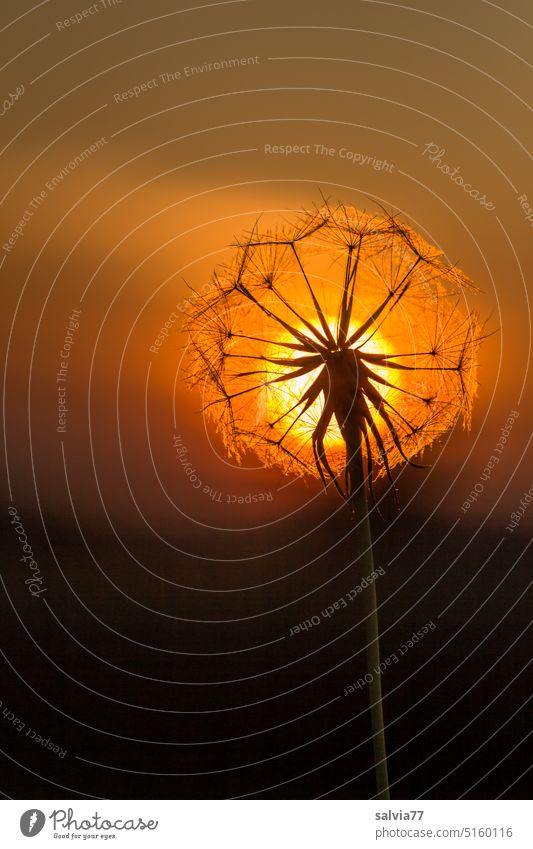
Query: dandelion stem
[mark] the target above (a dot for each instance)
(363, 540)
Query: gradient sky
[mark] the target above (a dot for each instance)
(138, 141)
(183, 168)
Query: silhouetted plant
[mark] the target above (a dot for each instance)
(337, 346)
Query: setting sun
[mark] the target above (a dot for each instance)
(339, 333)
(278, 399)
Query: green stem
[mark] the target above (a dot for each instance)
(363, 538)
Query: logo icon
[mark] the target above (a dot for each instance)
(32, 822)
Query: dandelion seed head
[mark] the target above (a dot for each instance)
(342, 323)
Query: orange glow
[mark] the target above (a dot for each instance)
(341, 317)
(281, 397)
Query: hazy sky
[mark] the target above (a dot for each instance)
(199, 120)
(138, 141)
